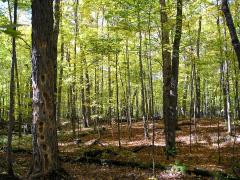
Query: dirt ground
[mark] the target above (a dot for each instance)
(204, 153)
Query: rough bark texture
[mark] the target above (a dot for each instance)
(45, 150)
(175, 62)
(166, 57)
(231, 28)
(170, 75)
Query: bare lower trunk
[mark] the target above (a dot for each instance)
(11, 96)
(142, 79)
(59, 94)
(45, 148)
(197, 73)
(185, 92)
(170, 75)
(117, 103)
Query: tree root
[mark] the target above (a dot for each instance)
(58, 174)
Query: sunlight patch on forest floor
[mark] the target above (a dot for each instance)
(204, 151)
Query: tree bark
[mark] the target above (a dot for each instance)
(87, 106)
(166, 58)
(175, 65)
(128, 93)
(197, 75)
(232, 29)
(60, 79)
(226, 85)
(45, 149)
(170, 75)
(117, 102)
(185, 93)
(142, 78)
(12, 93)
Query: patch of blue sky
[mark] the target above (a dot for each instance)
(24, 16)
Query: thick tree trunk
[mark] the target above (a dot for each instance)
(166, 58)
(231, 28)
(45, 162)
(175, 66)
(170, 75)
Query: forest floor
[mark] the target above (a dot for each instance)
(89, 157)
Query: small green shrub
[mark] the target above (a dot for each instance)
(180, 167)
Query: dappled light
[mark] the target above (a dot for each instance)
(119, 89)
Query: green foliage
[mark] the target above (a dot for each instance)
(170, 151)
(179, 167)
(128, 155)
(7, 29)
(24, 142)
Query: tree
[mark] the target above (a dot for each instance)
(45, 148)
(232, 29)
(170, 75)
(12, 91)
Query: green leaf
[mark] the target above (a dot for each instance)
(11, 32)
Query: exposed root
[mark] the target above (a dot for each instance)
(59, 174)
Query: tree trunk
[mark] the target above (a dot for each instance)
(117, 103)
(166, 58)
(142, 78)
(45, 149)
(109, 91)
(191, 106)
(59, 94)
(226, 84)
(87, 101)
(128, 93)
(170, 75)
(231, 28)
(197, 75)
(185, 93)
(12, 93)
(174, 71)
(237, 97)
(18, 101)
